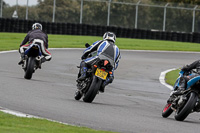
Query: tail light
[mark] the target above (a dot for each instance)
(102, 69)
(106, 62)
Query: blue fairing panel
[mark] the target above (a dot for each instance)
(176, 83)
(192, 81)
(178, 79)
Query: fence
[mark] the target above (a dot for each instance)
(138, 14)
(16, 25)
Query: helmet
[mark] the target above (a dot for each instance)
(37, 26)
(109, 36)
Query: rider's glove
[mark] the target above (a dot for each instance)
(83, 57)
(185, 68)
(87, 45)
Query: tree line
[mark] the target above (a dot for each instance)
(123, 15)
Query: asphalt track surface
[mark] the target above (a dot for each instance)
(132, 104)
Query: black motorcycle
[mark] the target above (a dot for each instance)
(93, 83)
(185, 103)
(32, 61)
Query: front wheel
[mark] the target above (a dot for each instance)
(167, 111)
(92, 91)
(30, 68)
(184, 111)
(77, 95)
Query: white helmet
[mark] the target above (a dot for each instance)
(37, 26)
(109, 36)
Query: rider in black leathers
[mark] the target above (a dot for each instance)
(183, 80)
(35, 35)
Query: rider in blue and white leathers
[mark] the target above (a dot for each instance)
(105, 47)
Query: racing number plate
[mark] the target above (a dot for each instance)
(101, 74)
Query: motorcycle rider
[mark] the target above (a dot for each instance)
(183, 80)
(36, 35)
(106, 47)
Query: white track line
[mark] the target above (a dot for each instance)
(20, 114)
(10, 51)
(155, 51)
(162, 78)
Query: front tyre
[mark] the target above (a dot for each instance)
(92, 91)
(167, 111)
(30, 68)
(77, 95)
(184, 111)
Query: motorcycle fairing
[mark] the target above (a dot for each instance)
(32, 46)
(176, 85)
(192, 81)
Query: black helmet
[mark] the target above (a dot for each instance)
(36, 26)
(109, 36)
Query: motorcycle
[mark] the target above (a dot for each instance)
(32, 61)
(187, 102)
(96, 75)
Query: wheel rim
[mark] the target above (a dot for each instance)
(166, 107)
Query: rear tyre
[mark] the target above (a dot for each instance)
(184, 111)
(77, 95)
(167, 111)
(92, 91)
(30, 68)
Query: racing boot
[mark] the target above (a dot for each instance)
(108, 81)
(43, 59)
(22, 59)
(83, 73)
(38, 62)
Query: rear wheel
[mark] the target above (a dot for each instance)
(167, 111)
(30, 68)
(92, 91)
(184, 111)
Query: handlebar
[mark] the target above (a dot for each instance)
(87, 45)
(187, 72)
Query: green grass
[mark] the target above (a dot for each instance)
(12, 124)
(171, 77)
(11, 41)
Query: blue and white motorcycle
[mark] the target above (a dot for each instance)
(32, 61)
(187, 102)
(97, 74)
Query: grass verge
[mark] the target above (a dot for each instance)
(13, 124)
(171, 77)
(11, 41)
